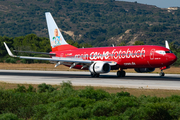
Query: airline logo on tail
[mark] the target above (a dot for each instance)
(56, 40)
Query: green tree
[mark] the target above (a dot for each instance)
(45, 88)
(139, 43)
(122, 44)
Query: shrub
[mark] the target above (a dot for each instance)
(106, 118)
(23, 89)
(102, 108)
(90, 93)
(31, 89)
(67, 84)
(40, 111)
(156, 111)
(121, 104)
(45, 88)
(10, 60)
(20, 88)
(120, 94)
(9, 116)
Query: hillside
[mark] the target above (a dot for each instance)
(98, 22)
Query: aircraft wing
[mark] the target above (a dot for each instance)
(61, 59)
(52, 54)
(75, 61)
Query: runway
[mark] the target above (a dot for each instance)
(80, 78)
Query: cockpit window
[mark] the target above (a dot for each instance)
(169, 51)
(163, 52)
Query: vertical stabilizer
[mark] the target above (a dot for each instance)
(57, 41)
(166, 44)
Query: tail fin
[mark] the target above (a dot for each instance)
(57, 41)
(167, 44)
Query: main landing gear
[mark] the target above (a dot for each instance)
(121, 73)
(95, 75)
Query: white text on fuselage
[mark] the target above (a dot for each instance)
(114, 54)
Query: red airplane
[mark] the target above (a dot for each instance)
(143, 58)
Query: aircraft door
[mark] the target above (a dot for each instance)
(62, 55)
(152, 54)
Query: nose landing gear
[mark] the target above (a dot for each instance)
(161, 73)
(163, 68)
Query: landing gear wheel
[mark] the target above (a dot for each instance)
(121, 73)
(161, 74)
(94, 75)
(118, 73)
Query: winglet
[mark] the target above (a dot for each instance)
(166, 44)
(8, 50)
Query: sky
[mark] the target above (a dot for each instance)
(158, 3)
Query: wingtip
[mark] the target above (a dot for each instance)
(8, 50)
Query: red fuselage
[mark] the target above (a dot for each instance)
(143, 56)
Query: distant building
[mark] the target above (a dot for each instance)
(170, 9)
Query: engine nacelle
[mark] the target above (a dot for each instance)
(99, 67)
(144, 70)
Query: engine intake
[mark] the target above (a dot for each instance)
(144, 70)
(99, 67)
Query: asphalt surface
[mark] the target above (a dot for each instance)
(80, 78)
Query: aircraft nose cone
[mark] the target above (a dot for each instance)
(172, 58)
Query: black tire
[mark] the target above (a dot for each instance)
(97, 75)
(94, 75)
(121, 73)
(161, 74)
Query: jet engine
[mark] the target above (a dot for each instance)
(99, 67)
(144, 70)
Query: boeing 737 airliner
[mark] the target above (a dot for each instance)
(143, 58)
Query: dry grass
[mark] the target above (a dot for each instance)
(50, 67)
(138, 92)
(35, 66)
(132, 91)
